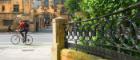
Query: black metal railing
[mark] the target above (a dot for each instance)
(114, 36)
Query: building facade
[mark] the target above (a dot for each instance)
(48, 10)
(11, 9)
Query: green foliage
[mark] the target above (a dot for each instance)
(72, 5)
(93, 8)
(102, 7)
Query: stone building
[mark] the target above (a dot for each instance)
(10, 9)
(48, 10)
(39, 18)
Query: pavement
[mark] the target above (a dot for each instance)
(39, 50)
(25, 53)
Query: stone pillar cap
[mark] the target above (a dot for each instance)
(59, 17)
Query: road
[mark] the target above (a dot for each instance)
(38, 37)
(39, 50)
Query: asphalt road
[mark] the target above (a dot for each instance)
(38, 38)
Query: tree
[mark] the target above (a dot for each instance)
(93, 8)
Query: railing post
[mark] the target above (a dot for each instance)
(58, 37)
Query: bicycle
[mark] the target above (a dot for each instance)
(16, 38)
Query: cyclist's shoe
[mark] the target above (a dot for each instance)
(23, 40)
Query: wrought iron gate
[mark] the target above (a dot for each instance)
(114, 36)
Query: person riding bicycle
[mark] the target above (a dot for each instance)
(23, 27)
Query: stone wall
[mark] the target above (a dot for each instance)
(70, 54)
(8, 14)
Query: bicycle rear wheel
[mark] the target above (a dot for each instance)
(29, 40)
(15, 39)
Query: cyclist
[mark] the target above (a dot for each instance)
(23, 29)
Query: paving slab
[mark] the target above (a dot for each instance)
(25, 52)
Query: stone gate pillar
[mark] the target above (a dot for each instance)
(58, 37)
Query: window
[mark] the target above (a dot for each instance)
(56, 2)
(5, 1)
(63, 11)
(7, 22)
(46, 2)
(3, 7)
(16, 8)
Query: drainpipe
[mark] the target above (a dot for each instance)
(23, 6)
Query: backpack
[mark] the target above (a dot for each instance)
(26, 25)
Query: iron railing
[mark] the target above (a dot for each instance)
(114, 36)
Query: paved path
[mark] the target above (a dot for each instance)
(39, 50)
(25, 53)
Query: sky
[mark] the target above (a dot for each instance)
(37, 3)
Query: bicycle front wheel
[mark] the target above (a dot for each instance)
(29, 40)
(15, 39)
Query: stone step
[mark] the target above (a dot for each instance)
(48, 29)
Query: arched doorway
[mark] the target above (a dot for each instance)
(43, 22)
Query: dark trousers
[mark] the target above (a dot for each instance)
(24, 34)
